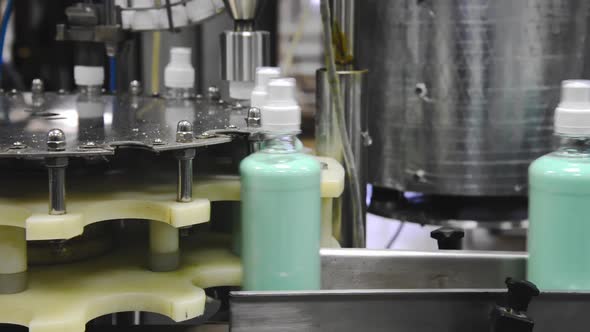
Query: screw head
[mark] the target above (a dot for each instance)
(13, 92)
(61, 91)
(158, 141)
(89, 145)
(253, 120)
(184, 132)
(37, 86)
(213, 93)
(56, 140)
(18, 145)
(135, 88)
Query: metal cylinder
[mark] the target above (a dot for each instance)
(328, 143)
(56, 171)
(243, 52)
(463, 91)
(184, 187)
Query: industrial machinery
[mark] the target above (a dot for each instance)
(462, 100)
(120, 163)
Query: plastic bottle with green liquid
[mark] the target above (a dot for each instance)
(559, 199)
(280, 202)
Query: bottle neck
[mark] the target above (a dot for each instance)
(90, 90)
(281, 143)
(180, 93)
(574, 146)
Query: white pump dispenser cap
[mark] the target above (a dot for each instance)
(281, 113)
(88, 75)
(179, 72)
(263, 77)
(572, 115)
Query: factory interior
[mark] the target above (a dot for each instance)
(294, 165)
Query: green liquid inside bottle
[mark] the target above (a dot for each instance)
(281, 218)
(559, 214)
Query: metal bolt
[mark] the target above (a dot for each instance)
(18, 146)
(158, 141)
(213, 93)
(232, 127)
(37, 87)
(14, 92)
(61, 91)
(253, 119)
(89, 145)
(184, 132)
(135, 88)
(56, 140)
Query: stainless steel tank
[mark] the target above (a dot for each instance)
(461, 92)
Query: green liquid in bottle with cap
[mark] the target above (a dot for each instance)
(280, 202)
(559, 199)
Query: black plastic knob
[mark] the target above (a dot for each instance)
(513, 317)
(448, 238)
(520, 294)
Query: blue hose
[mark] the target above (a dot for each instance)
(112, 74)
(3, 29)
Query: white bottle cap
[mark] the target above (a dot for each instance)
(241, 90)
(88, 75)
(143, 19)
(263, 77)
(179, 72)
(572, 115)
(281, 113)
(199, 10)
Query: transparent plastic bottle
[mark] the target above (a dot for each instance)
(559, 199)
(280, 203)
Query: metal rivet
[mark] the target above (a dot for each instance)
(135, 88)
(158, 141)
(37, 86)
(213, 93)
(18, 146)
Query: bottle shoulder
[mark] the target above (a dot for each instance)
(557, 165)
(285, 162)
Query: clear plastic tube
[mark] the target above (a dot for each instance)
(349, 163)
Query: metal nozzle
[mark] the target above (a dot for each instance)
(243, 10)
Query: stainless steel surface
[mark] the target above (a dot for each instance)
(243, 10)
(352, 87)
(462, 92)
(99, 126)
(242, 53)
(396, 269)
(397, 310)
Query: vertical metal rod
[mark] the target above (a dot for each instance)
(57, 190)
(184, 189)
(56, 168)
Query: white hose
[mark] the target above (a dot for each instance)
(351, 171)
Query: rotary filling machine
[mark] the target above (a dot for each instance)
(444, 104)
